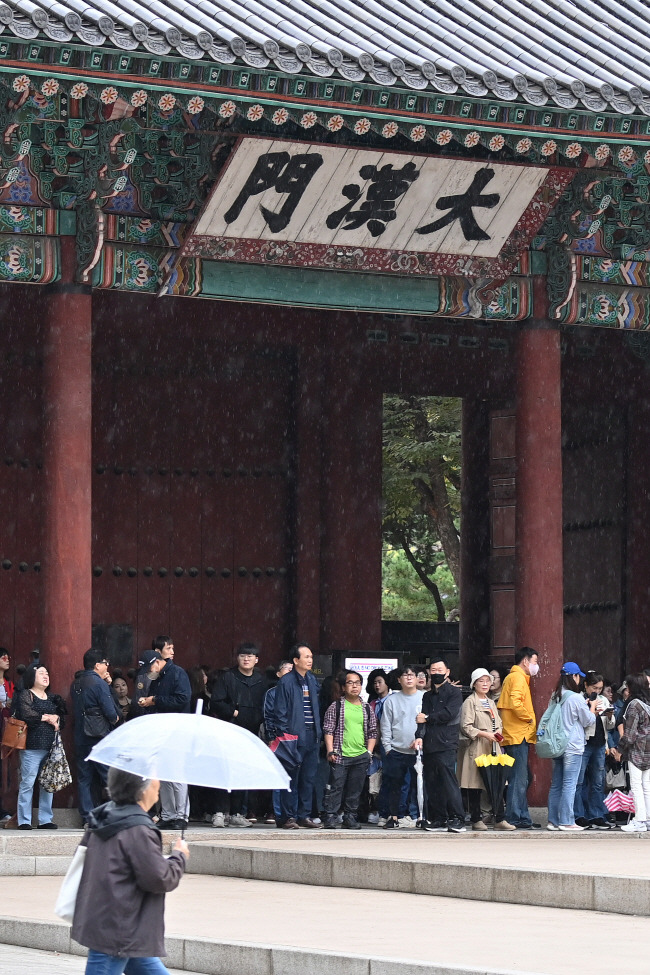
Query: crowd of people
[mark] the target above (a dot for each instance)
(403, 752)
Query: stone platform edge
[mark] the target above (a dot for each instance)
(466, 881)
(225, 957)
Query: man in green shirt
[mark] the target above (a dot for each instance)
(350, 733)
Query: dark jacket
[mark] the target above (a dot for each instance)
(121, 899)
(442, 709)
(288, 714)
(88, 690)
(234, 692)
(172, 691)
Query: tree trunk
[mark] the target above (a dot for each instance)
(424, 578)
(436, 504)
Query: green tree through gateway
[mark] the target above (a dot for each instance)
(421, 493)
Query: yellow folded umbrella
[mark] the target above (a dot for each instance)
(484, 760)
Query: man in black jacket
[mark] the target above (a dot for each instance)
(439, 728)
(95, 713)
(238, 697)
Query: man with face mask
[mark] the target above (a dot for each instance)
(438, 733)
(519, 727)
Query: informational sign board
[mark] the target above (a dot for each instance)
(364, 665)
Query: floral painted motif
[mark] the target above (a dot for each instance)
(21, 83)
(79, 91)
(227, 109)
(108, 95)
(549, 148)
(255, 113)
(523, 146)
(166, 102)
(573, 150)
(602, 152)
(418, 133)
(444, 137)
(626, 155)
(308, 120)
(496, 142)
(361, 126)
(472, 139)
(335, 123)
(280, 116)
(195, 105)
(50, 87)
(390, 130)
(138, 98)
(646, 158)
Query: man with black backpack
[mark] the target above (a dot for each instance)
(95, 713)
(350, 733)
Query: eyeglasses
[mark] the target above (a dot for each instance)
(353, 683)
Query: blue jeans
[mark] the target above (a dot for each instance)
(297, 803)
(591, 784)
(91, 777)
(101, 964)
(31, 760)
(396, 770)
(566, 772)
(516, 802)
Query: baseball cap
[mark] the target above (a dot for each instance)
(147, 657)
(572, 668)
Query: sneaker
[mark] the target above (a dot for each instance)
(436, 826)
(181, 824)
(317, 820)
(47, 826)
(601, 823)
(239, 821)
(456, 826)
(219, 820)
(29, 826)
(207, 817)
(504, 824)
(373, 818)
(331, 822)
(381, 822)
(5, 817)
(391, 823)
(552, 827)
(632, 827)
(166, 824)
(571, 828)
(406, 822)
(351, 822)
(479, 827)
(582, 821)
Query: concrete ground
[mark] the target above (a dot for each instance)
(446, 931)
(28, 961)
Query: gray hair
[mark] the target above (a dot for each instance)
(125, 788)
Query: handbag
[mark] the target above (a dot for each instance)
(14, 735)
(67, 899)
(55, 771)
(95, 724)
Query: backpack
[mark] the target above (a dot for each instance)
(552, 737)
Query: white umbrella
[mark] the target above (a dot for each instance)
(420, 776)
(194, 749)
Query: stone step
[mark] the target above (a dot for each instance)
(577, 873)
(222, 926)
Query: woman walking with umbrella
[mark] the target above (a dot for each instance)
(480, 722)
(121, 898)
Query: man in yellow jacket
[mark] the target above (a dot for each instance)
(519, 726)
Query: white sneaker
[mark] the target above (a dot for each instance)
(239, 821)
(373, 818)
(634, 827)
(406, 822)
(218, 820)
(551, 827)
(381, 821)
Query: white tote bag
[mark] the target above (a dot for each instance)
(65, 903)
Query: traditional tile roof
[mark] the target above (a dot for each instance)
(589, 53)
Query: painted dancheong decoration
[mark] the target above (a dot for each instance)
(450, 215)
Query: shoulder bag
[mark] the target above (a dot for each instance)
(67, 899)
(55, 771)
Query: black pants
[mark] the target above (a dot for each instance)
(444, 800)
(345, 784)
(474, 801)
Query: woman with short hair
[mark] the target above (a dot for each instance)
(35, 705)
(119, 913)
